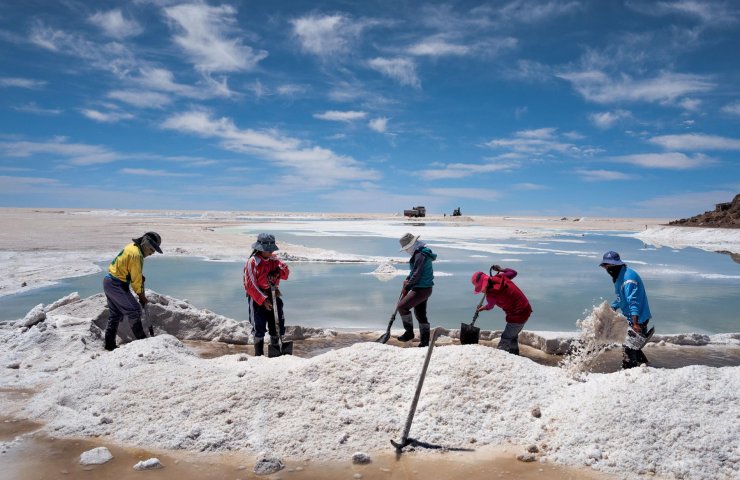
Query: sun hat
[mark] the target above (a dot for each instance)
(408, 240)
(611, 258)
(152, 238)
(265, 243)
(479, 281)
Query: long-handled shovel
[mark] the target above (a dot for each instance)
(387, 335)
(470, 334)
(282, 348)
(405, 440)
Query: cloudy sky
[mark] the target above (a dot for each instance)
(550, 107)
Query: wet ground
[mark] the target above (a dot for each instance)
(36, 456)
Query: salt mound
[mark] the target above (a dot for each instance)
(387, 271)
(156, 393)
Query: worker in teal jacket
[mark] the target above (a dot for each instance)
(417, 288)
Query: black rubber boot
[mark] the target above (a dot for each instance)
(424, 334)
(259, 347)
(630, 358)
(274, 340)
(138, 330)
(408, 325)
(110, 335)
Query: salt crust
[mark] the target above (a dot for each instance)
(157, 393)
(96, 456)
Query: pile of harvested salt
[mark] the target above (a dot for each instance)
(157, 393)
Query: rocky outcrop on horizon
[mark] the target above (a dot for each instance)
(724, 215)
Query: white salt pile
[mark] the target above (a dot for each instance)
(387, 271)
(157, 393)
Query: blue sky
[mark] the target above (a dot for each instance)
(623, 108)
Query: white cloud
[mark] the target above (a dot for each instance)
(689, 202)
(6, 82)
(379, 124)
(537, 142)
(696, 142)
(114, 57)
(337, 116)
(21, 185)
(706, 12)
(114, 24)
(596, 86)
(529, 186)
(606, 120)
(437, 47)
(402, 70)
(305, 166)
(291, 89)
(106, 117)
(163, 80)
(732, 108)
(203, 33)
(75, 153)
(326, 35)
(141, 98)
(601, 175)
(482, 194)
(533, 12)
(690, 104)
(144, 172)
(35, 109)
(462, 170)
(669, 160)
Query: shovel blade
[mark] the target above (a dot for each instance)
(275, 351)
(469, 334)
(384, 338)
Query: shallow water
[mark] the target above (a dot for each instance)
(689, 290)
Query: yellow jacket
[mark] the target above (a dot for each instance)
(128, 267)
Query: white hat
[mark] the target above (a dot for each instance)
(408, 240)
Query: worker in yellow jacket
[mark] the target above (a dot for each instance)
(126, 271)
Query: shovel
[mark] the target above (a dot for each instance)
(387, 335)
(405, 440)
(470, 334)
(282, 348)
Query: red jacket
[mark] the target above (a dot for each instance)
(255, 276)
(501, 291)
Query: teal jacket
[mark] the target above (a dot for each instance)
(422, 272)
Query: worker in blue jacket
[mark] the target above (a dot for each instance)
(417, 288)
(633, 302)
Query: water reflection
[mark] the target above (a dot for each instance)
(690, 290)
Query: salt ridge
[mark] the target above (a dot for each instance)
(157, 393)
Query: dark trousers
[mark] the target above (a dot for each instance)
(121, 303)
(261, 319)
(417, 299)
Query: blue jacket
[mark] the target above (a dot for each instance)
(422, 273)
(631, 296)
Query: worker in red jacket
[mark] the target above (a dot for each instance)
(262, 270)
(500, 290)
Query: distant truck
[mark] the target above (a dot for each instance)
(415, 212)
(456, 212)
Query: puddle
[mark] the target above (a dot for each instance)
(40, 457)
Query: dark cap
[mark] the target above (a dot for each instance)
(611, 258)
